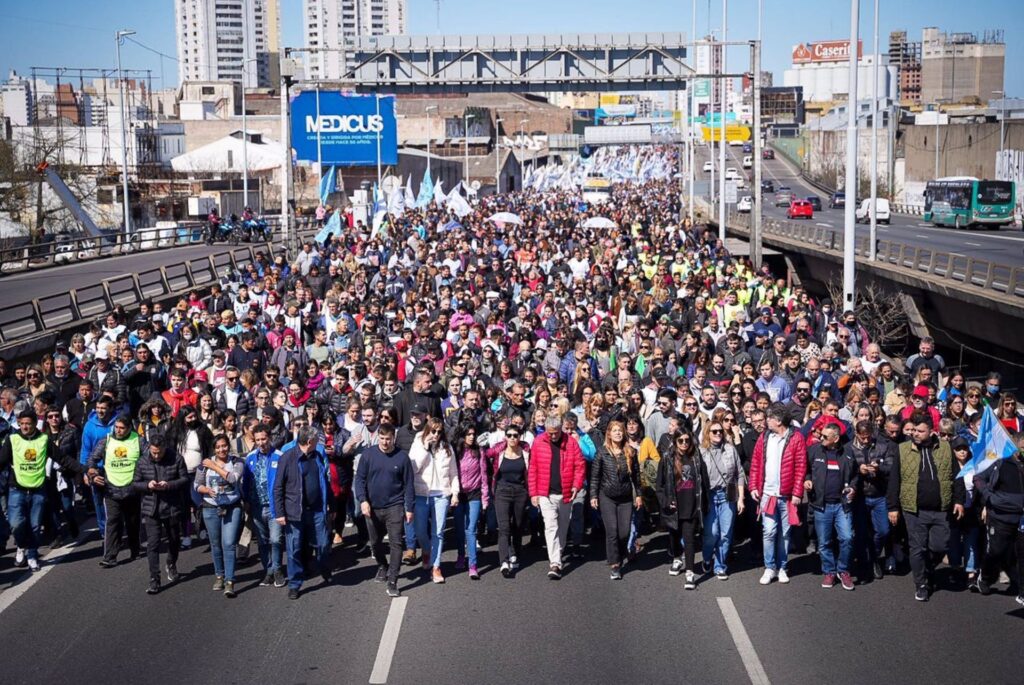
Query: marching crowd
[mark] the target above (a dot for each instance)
(466, 384)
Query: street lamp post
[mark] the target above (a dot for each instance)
(849, 223)
(721, 130)
(430, 108)
(119, 38)
(245, 137)
(874, 140)
(497, 158)
(465, 129)
(1002, 119)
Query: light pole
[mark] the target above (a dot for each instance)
(430, 129)
(874, 139)
(1002, 119)
(849, 224)
(721, 130)
(497, 158)
(465, 129)
(119, 39)
(379, 188)
(689, 111)
(245, 137)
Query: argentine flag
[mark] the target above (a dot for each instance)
(993, 443)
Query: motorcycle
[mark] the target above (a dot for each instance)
(257, 229)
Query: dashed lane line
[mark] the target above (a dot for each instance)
(755, 671)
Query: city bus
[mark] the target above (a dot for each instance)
(963, 202)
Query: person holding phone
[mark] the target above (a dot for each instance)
(160, 479)
(832, 482)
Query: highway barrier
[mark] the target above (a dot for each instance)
(60, 252)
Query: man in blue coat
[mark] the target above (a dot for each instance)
(98, 426)
(302, 505)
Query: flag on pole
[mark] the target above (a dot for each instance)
(426, 191)
(439, 196)
(993, 443)
(410, 197)
(328, 182)
(332, 227)
(396, 201)
(458, 204)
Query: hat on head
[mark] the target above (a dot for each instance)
(959, 443)
(200, 377)
(102, 353)
(765, 310)
(418, 407)
(921, 391)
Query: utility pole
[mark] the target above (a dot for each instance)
(379, 188)
(497, 158)
(245, 136)
(430, 128)
(689, 111)
(721, 130)
(465, 167)
(119, 38)
(873, 235)
(755, 232)
(286, 142)
(850, 225)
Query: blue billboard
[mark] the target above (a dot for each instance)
(348, 128)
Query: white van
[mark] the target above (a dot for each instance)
(881, 211)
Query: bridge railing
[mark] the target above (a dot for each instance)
(972, 272)
(26, 321)
(59, 252)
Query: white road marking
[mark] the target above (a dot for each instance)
(388, 641)
(28, 579)
(825, 225)
(922, 237)
(972, 244)
(755, 671)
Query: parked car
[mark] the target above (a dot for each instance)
(707, 167)
(815, 202)
(767, 186)
(748, 162)
(863, 213)
(837, 201)
(800, 209)
(767, 153)
(783, 198)
(745, 204)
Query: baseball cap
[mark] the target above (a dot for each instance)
(921, 391)
(418, 407)
(102, 353)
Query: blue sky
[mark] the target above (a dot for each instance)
(80, 34)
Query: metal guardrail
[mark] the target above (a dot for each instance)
(61, 252)
(974, 273)
(44, 316)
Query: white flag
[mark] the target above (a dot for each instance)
(458, 204)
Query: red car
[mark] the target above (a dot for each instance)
(800, 209)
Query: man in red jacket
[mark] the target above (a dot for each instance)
(777, 473)
(179, 394)
(555, 477)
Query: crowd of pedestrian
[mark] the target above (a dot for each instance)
(469, 384)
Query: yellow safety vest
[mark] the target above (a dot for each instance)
(119, 459)
(29, 460)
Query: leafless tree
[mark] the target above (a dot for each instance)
(880, 311)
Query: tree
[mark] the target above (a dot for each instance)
(881, 312)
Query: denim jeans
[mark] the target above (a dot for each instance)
(718, 527)
(776, 542)
(466, 516)
(25, 514)
(871, 527)
(431, 513)
(269, 538)
(964, 546)
(312, 529)
(101, 509)
(833, 517)
(223, 532)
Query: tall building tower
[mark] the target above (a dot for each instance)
(215, 37)
(333, 25)
(958, 66)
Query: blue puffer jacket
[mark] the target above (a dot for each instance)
(94, 431)
(250, 482)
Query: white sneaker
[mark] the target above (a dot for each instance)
(513, 561)
(783, 576)
(186, 542)
(203, 535)
(768, 576)
(677, 568)
(691, 581)
(33, 564)
(19, 557)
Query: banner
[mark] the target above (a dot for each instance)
(346, 129)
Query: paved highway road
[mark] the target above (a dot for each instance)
(75, 623)
(1003, 246)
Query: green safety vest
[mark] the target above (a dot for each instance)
(119, 459)
(29, 460)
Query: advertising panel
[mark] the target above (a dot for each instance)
(346, 128)
(825, 51)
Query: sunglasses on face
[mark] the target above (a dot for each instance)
(715, 431)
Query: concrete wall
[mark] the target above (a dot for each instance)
(964, 149)
(825, 156)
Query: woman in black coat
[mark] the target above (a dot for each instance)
(681, 488)
(161, 479)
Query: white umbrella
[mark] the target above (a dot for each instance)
(599, 222)
(506, 218)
